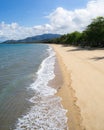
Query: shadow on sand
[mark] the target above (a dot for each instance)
(97, 58)
(79, 48)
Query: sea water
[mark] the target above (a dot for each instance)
(27, 101)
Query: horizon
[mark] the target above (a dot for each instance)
(26, 18)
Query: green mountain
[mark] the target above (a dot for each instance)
(35, 39)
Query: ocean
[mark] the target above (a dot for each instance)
(27, 101)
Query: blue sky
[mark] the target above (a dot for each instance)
(24, 18)
(33, 12)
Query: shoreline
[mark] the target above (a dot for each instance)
(83, 90)
(58, 79)
(66, 92)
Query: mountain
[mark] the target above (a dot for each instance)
(35, 39)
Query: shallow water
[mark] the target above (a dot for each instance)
(27, 102)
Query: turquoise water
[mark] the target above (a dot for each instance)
(18, 65)
(26, 100)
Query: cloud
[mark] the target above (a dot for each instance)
(15, 31)
(65, 21)
(60, 21)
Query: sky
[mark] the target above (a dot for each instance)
(24, 18)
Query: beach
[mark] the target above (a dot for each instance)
(82, 90)
(27, 100)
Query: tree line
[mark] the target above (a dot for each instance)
(92, 36)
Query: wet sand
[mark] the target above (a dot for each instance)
(62, 82)
(82, 90)
(57, 82)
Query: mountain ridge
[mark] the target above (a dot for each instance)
(34, 39)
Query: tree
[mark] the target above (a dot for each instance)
(74, 38)
(95, 32)
(92, 36)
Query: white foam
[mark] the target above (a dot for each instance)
(47, 112)
(45, 73)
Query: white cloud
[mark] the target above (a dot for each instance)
(60, 21)
(65, 21)
(15, 31)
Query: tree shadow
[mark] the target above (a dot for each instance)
(76, 49)
(97, 58)
(80, 49)
(85, 48)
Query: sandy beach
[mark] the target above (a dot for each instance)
(82, 91)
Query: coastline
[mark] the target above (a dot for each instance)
(66, 92)
(58, 79)
(82, 91)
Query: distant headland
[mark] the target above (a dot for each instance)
(34, 39)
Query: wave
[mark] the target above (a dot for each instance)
(47, 112)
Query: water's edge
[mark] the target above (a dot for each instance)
(47, 112)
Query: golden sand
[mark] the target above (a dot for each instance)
(83, 89)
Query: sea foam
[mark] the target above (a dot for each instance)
(47, 112)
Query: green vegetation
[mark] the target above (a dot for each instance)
(92, 36)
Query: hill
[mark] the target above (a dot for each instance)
(35, 39)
